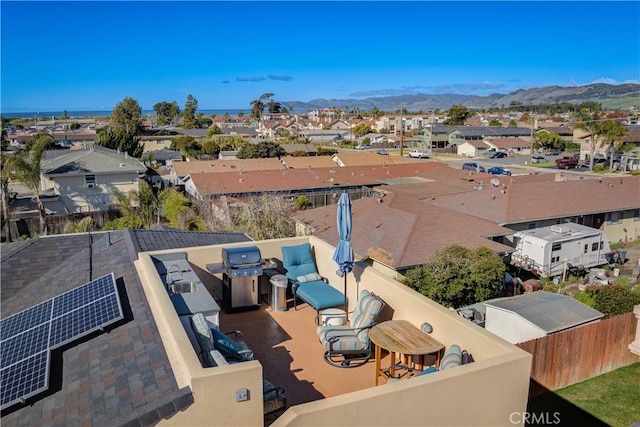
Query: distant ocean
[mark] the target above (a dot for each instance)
(46, 115)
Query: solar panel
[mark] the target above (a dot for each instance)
(27, 337)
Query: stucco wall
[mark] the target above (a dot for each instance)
(450, 397)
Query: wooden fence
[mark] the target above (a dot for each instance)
(30, 226)
(571, 356)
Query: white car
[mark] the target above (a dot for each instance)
(419, 154)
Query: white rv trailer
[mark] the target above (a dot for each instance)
(550, 251)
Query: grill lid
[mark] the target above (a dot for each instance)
(245, 256)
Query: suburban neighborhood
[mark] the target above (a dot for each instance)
(215, 248)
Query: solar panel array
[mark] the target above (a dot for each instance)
(27, 338)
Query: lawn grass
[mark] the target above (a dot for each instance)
(612, 398)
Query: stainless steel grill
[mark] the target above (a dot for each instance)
(240, 280)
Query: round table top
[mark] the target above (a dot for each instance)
(400, 336)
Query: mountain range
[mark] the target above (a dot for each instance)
(622, 95)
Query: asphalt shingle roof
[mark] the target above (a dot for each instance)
(524, 199)
(95, 160)
(118, 377)
(164, 238)
(401, 231)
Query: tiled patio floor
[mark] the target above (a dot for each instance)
(287, 346)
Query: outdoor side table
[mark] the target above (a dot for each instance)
(401, 337)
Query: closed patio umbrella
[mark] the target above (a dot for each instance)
(343, 255)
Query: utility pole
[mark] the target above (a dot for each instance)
(401, 132)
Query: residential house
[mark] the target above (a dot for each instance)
(389, 230)
(156, 142)
(84, 180)
(514, 203)
(564, 132)
(630, 159)
(323, 115)
(146, 370)
(164, 157)
(510, 144)
(531, 201)
(473, 148)
(307, 149)
(534, 315)
(442, 136)
(324, 137)
(323, 183)
(339, 125)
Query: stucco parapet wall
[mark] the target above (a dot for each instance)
(635, 345)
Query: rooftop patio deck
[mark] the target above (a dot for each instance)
(288, 354)
(287, 346)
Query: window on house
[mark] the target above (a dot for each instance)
(636, 215)
(556, 246)
(601, 245)
(586, 249)
(613, 217)
(594, 246)
(555, 259)
(90, 181)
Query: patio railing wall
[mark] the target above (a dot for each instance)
(575, 355)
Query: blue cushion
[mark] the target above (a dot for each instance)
(298, 260)
(320, 295)
(452, 358)
(429, 370)
(229, 348)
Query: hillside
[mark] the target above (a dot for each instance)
(623, 95)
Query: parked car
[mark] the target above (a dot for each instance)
(599, 161)
(382, 152)
(498, 171)
(567, 163)
(472, 166)
(538, 159)
(553, 152)
(419, 154)
(498, 155)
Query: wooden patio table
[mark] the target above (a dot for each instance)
(400, 336)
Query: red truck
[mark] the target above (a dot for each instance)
(566, 163)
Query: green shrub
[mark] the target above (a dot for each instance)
(586, 297)
(599, 168)
(302, 203)
(614, 300)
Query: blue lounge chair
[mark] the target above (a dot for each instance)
(306, 283)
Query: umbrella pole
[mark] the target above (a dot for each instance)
(346, 304)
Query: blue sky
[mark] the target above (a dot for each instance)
(90, 55)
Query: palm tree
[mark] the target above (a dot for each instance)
(614, 134)
(139, 205)
(25, 167)
(5, 176)
(592, 126)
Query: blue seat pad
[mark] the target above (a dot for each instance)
(320, 295)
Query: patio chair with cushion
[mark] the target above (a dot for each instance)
(346, 344)
(219, 350)
(306, 283)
